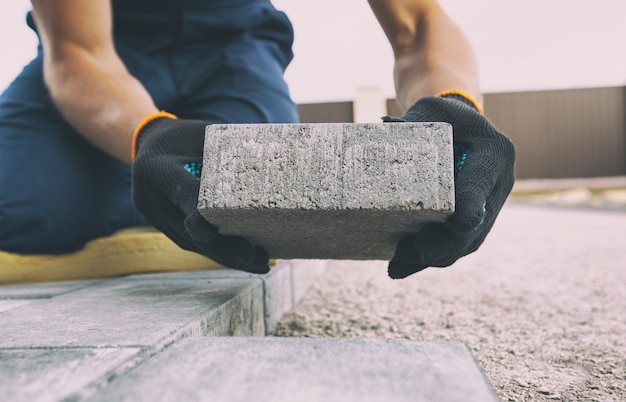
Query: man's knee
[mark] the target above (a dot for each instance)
(32, 230)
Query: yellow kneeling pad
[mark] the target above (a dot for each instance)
(128, 251)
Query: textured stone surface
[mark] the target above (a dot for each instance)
(292, 369)
(150, 313)
(329, 191)
(67, 341)
(278, 294)
(6, 305)
(60, 374)
(303, 274)
(283, 287)
(41, 290)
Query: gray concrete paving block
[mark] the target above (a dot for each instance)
(278, 294)
(6, 305)
(151, 313)
(241, 315)
(303, 274)
(283, 286)
(60, 374)
(209, 274)
(305, 369)
(41, 290)
(328, 191)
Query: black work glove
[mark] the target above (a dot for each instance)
(165, 187)
(483, 176)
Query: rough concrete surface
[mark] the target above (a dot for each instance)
(283, 287)
(6, 305)
(305, 370)
(303, 275)
(156, 312)
(542, 304)
(329, 191)
(41, 290)
(66, 341)
(59, 374)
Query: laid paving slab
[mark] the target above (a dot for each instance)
(328, 191)
(277, 302)
(41, 290)
(66, 341)
(303, 274)
(6, 305)
(150, 313)
(60, 374)
(283, 287)
(152, 309)
(305, 369)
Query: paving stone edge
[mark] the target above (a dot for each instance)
(276, 293)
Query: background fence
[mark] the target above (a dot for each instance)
(558, 133)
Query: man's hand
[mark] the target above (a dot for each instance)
(484, 160)
(165, 186)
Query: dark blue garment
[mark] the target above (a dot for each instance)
(217, 60)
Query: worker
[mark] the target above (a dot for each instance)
(104, 129)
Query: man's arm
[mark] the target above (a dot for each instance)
(94, 91)
(432, 57)
(87, 80)
(431, 53)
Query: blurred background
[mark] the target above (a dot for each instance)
(553, 71)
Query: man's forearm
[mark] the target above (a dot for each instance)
(99, 98)
(439, 59)
(431, 53)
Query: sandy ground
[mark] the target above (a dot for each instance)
(542, 304)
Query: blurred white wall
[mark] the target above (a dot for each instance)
(339, 47)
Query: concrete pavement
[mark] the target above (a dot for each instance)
(198, 336)
(69, 339)
(305, 369)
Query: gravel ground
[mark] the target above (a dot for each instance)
(542, 304)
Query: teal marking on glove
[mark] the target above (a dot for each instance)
(460, 155)
(194, 168)
(485, 211)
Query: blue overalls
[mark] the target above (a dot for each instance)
(216, 60)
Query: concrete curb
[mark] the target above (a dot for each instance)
(530, 186)
(70, 339)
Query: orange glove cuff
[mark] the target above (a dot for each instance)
(142, 124)
(463, 94)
